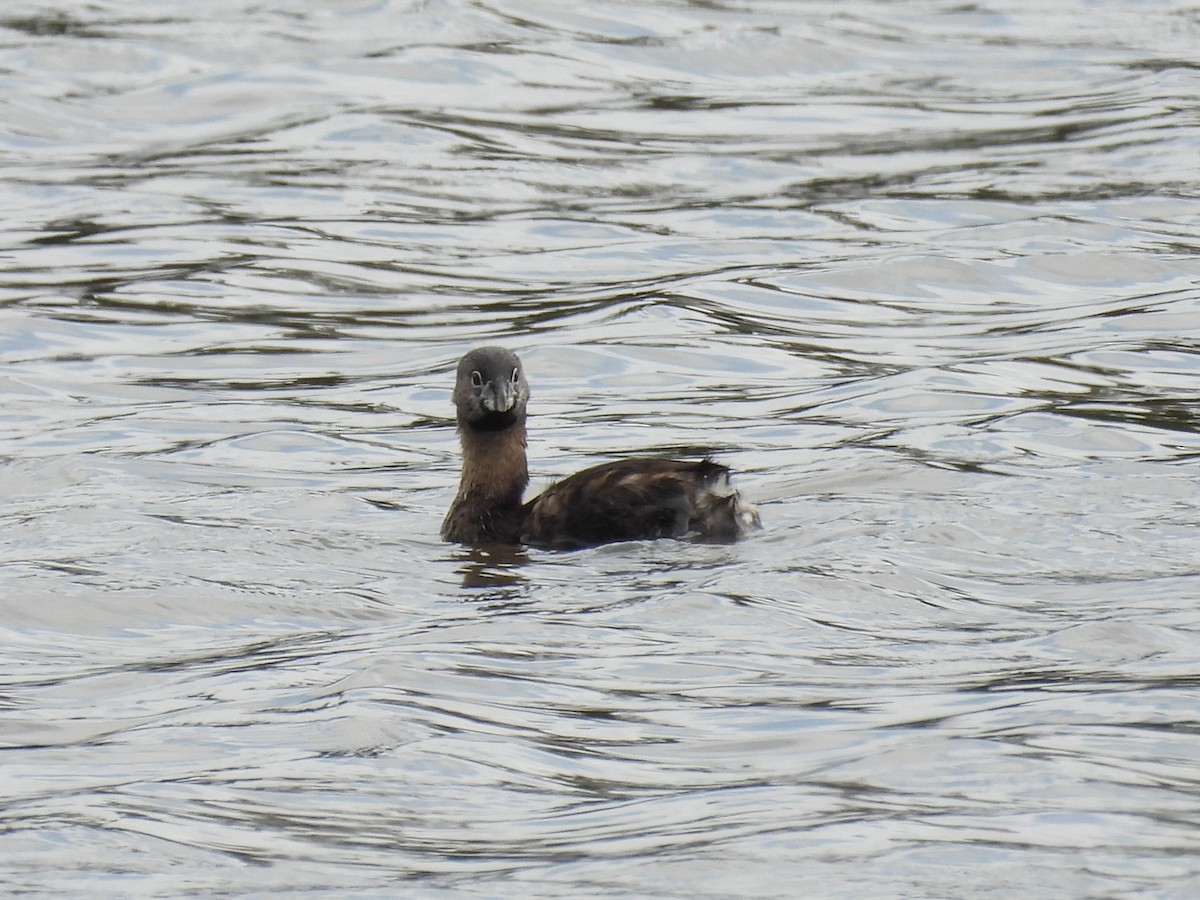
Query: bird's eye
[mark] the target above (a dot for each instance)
(516, 375)
(476, 379)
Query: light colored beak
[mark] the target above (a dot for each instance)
(499, 396)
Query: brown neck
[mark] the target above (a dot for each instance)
(494, 470)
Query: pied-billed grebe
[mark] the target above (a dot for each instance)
(631, 499)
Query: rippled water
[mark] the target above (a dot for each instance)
(925, 273)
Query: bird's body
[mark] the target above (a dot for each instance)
(629, 499)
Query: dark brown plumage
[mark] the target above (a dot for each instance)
(630, 499)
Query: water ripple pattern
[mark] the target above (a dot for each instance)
(926, 274)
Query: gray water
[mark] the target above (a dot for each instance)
(925, 274)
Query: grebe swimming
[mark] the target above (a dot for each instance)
(630, 499)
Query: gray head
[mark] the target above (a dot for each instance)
(490, 392)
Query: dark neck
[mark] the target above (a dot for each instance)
(494, 470)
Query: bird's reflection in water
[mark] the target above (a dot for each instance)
(492, 566)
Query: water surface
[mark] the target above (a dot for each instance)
(925, 274)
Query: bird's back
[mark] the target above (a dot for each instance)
(639, 499)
